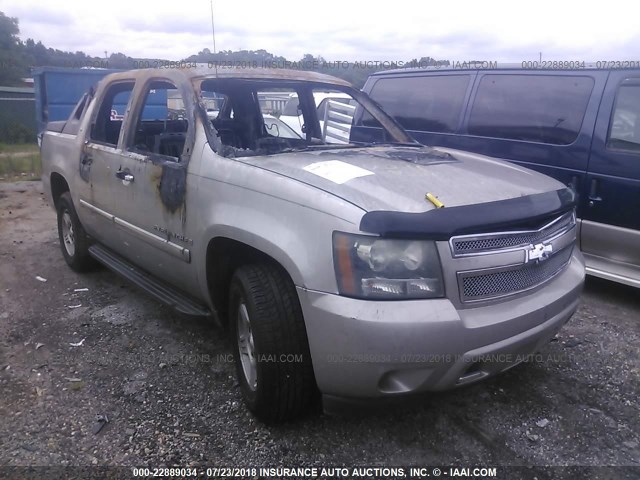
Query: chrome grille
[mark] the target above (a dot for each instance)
(503, 281)
(490, 242)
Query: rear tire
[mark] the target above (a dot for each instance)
(270, 344)
(74, 242)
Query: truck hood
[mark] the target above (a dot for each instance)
(398, 178)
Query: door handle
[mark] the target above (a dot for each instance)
(593, 193)
(126, 176)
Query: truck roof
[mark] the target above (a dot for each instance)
(212, 72)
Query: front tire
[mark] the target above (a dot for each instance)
(270, 344)
(74, 242)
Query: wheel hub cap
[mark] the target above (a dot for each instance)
(68, 235)
(246, 347)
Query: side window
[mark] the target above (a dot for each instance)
(432, 103)
(534, 108)
(624, 132)
(161, 123)
(108, 122)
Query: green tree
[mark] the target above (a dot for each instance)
(12, 66)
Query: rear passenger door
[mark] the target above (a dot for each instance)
(151, 183)
(100, 159)
(611, 220)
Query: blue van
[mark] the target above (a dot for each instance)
(580, 126)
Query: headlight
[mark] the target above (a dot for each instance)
(371, 267)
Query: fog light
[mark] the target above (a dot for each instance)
(385, 287)
(422, 285)
(382, 287)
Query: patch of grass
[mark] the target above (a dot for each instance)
(19, 147)
(20, 167)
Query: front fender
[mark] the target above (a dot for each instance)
(297, 236)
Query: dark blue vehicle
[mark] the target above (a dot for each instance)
(580, 126)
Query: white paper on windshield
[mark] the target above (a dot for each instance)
(337, 171)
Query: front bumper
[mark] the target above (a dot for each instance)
(374, 349)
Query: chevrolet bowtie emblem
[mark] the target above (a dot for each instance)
(539, 252)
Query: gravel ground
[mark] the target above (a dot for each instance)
(80, 346)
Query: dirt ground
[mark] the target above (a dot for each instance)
(78, 346)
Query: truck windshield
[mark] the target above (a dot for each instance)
(249, 117)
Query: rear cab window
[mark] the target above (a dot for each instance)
(536, 108)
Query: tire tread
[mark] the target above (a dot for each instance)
(290, 387)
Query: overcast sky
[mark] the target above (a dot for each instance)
(338, 30)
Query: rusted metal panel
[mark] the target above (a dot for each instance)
(239, 73)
